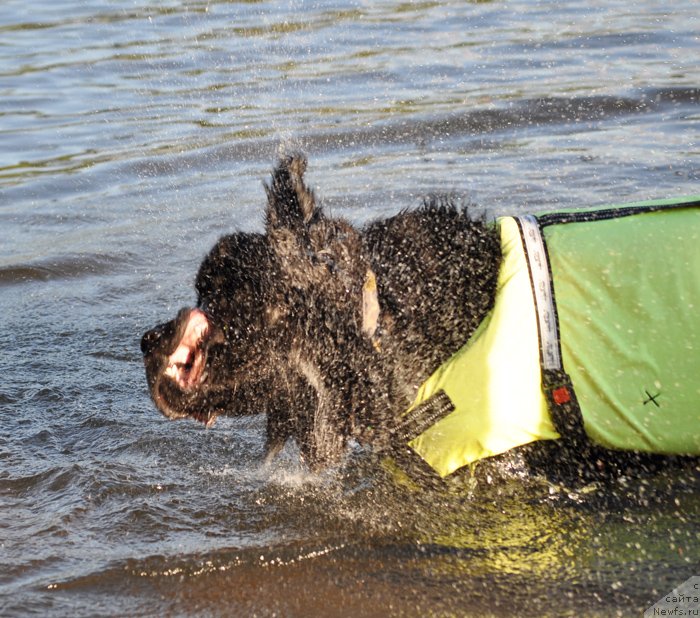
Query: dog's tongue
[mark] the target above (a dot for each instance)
(186, 363)
(196, 329)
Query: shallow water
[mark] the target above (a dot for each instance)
(134, 134)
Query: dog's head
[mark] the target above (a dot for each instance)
(274, 313)
(197, 362)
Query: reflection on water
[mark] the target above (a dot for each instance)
(134, 134)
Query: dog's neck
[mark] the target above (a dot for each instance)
(428, 302)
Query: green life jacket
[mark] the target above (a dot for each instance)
(595, 327)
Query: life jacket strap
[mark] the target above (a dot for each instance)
(542, 291)
(422, 417)
(564, 408)
(557, 386)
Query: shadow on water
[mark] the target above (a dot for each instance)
(439, 131)
(61, 268)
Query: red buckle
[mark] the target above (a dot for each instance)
(561, 395)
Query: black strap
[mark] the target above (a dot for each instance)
(564, 408)
(422, 417)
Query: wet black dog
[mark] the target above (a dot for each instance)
(328, 329)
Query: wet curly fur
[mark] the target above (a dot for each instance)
(297, 330)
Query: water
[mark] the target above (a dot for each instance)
(134, 133)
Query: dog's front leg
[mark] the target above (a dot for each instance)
(296, 401)
(320, 429)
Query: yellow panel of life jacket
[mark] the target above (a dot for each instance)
(494, 381)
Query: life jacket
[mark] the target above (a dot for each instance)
(595, 330)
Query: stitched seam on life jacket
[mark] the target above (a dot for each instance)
(609, 213)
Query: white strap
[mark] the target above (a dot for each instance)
(542, 290)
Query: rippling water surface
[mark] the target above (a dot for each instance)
(134, 133)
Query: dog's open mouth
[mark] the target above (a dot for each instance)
(187, 363)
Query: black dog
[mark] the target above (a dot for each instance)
(328, 329)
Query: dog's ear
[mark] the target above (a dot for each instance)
(290, 204)
(291, 217)
(299, 234)
(315, 251)
(370, 307)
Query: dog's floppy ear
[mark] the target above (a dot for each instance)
(370, 307)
